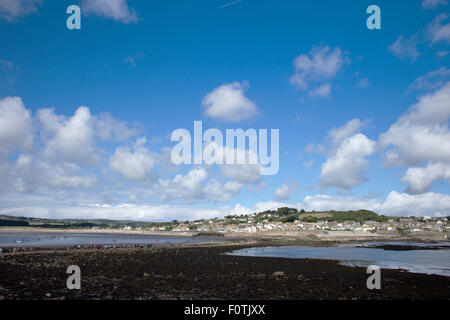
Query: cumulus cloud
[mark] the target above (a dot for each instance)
(245, 173)
(285, 191)
(11, 10)
(346, 166)
(337, 135)
(30, 173)
(108, 128)
(114, 9)
(15, 125)
(229, 103)
(68, 149)
(136, 164)
(320, 65)
(419, 180)
(195, 186)
(395, 204)
(70, 139)
(405, 48)
(439, 31)
(431, 4)
(49, 161)
(127, 211)
(189, 186)
(422, 133)
(217, 192)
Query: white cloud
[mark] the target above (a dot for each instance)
(30, 173)
(15, 125)
(346, 166)
(108, 128)
(420, 179)
(189, 186)
(228, 103)
(432, 80)
(396, 204)
(7, 73)
(195, 186)
(115, 9)
(315, 148)
(308, 163)
(346, 163)
(132, 60)
(321, 91)
(10, 10)
(217, 192)
(239, 210)
(58, 179)
(285, 191)
(70, 139)
(6, 63)
(160, 212)
(364, 83)
(136, 164)
(431, 4)
(422, 133)
(337, 135)
(437, 31)
(405, 48)
(321, 64)
(245, 173)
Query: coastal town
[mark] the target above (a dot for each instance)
(283, 221)
(289, 220)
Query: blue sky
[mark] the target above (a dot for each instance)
(312, 69)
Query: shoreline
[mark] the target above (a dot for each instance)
(202, 272)
(329, 237)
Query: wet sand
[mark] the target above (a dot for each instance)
(201, 272)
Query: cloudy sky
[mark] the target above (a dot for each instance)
(86, 115)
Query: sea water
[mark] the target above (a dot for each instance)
(420, 261)
(55, 239)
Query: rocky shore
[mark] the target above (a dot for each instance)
(202, 272)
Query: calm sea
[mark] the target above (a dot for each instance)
(55, 239)
(420, 261)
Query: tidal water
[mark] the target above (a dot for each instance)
(55, 239)
(419, 261)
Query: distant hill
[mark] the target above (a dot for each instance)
(6, 220)
(286, 214)
(13, 223)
